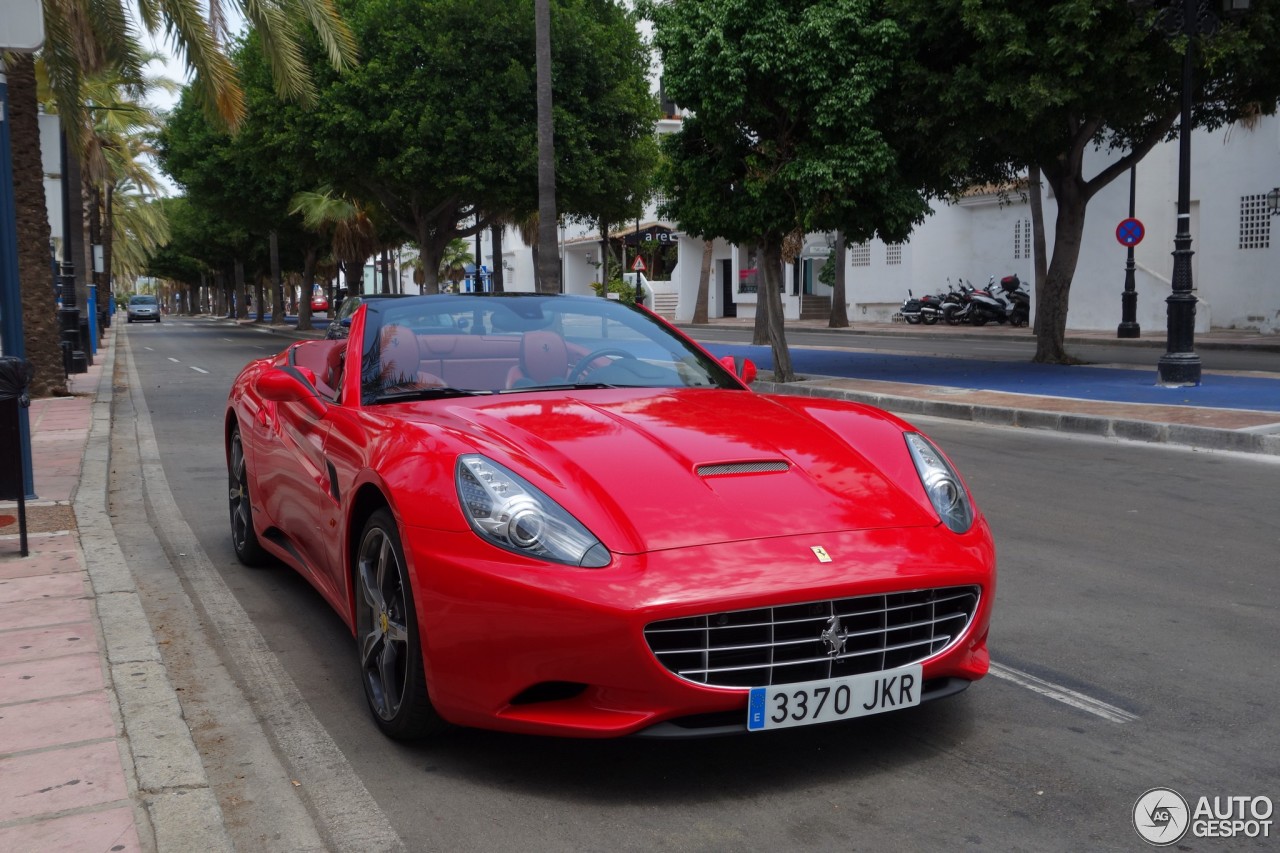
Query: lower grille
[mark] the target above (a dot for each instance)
(814, 640)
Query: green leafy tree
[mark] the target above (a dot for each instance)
(439, 123)
(1007, 86)
(788, 133)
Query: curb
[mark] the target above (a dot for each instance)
(174, 802)
(1204, 438)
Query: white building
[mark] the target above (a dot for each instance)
(1235, 268)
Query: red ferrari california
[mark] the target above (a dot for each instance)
(558, 515)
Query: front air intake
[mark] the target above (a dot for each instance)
(765, 466)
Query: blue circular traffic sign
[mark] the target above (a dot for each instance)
(1130, 232)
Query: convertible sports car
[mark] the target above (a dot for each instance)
(558, 515)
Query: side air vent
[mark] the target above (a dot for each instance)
(766, 466)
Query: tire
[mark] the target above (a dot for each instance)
(929, 319)
(912, 320)
(978, 320)
(387, 635)
(244, 540)
(949, 314)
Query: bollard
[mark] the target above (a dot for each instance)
(15, 378)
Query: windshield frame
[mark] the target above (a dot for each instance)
(505, 318)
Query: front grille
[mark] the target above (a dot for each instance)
(785, 645)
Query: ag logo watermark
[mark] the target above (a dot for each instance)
(1162, 817)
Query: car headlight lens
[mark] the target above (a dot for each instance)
(941, 483)
(508, 511)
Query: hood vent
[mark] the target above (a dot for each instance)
(764, 466)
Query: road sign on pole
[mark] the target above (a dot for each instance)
(638, 264)
(1130, 232)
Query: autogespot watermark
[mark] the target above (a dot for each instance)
(1162, 817)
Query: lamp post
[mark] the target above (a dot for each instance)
(1273, 201)
(1180, 366)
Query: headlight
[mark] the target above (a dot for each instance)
(508, 511)
(941, 483)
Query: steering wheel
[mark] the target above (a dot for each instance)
(583, 367)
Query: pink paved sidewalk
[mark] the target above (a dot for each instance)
(63, 785)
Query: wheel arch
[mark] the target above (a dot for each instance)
(367, 500)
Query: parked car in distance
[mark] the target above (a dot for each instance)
(559, 515)
(143, 307)
(319, 302)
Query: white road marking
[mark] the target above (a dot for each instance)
(229, 340)
(149, 349)
(1065, 695)
(174, 360)
(197, 369)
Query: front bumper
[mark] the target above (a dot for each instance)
(528, 647)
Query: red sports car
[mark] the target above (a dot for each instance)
(319, 302)
(558, 515)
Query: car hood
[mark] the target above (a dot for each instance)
(649, 470)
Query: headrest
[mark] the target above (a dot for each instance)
(543, 356)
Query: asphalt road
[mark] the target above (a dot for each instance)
(1133, 642)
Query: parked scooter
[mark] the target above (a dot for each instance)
(1017, 297)
(986, 307)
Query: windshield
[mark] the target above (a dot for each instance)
(142, 300)
(451, 345)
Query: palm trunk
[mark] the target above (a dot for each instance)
(548, 260)
(105, 289)
(41, 331)
(499, 285)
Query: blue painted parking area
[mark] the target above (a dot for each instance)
(1081, 382)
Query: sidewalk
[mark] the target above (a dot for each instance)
(95, 754)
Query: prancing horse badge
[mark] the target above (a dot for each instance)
(821, 554)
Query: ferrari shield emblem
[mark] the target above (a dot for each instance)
(821, 554)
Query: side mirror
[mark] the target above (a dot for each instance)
(743, 368)
(290, 386)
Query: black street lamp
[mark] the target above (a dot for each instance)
(1180, 366)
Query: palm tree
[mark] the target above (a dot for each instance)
(453, 264)
(83, 37)
(346, 222)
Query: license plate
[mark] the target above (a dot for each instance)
(832, 699)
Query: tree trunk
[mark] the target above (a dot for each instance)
(499, 285)
(41, 332)
(277, 285)
(242, 292)
(770, 293)
(548, 259)
(1039, 262)
(260, 307)
(839, 295)
(1051, 307)
(304, 292)
(704, 283)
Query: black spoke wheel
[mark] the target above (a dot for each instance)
(583, 367)
(243, 538)
(391, 670)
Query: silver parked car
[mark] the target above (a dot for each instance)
(143, 307)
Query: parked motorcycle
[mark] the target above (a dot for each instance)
(910, 309)
(956, 306)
